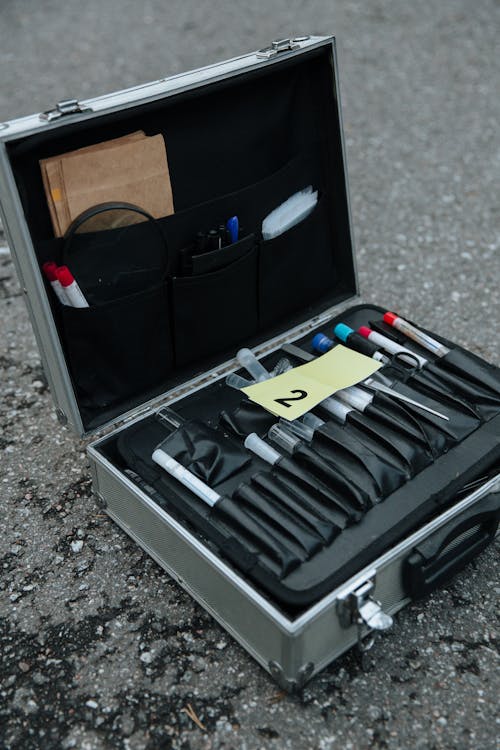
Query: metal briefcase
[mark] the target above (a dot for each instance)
(241, 136)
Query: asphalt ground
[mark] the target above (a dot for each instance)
(98, 647)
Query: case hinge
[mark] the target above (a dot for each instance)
(359, 608)
(63, 108)
(280, 45)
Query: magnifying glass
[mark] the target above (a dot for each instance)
(115, 249)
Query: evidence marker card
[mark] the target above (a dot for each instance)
(299, 390)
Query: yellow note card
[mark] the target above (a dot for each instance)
(295, 392)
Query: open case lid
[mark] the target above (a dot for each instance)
(241, 136)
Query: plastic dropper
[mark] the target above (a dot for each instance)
(247, 359)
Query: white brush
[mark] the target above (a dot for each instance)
(294, 210)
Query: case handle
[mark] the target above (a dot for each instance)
(437, 558)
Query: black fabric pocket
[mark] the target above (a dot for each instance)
(251, 204)
(340, 441)
(296, 268)
(291, 531)
(207, 453)
(116, 262)
(459, 424)
(470, 367)
(483, 401)
(412, 456)
(246, 418)
(120, 348)
(216, 259)
(216, 310)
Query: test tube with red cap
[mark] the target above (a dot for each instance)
(72, 290)
(50, 272)
(400, 324)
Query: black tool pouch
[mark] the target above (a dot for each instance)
(471, 368)
(121, 343)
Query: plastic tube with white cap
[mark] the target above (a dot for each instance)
(185, 477)
(247, 359)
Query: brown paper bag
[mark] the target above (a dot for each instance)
(131, 169)
(53, 180)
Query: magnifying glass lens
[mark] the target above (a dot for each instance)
(115, 250)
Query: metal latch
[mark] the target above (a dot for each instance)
(359, 608)
(280, 45)
(63, 108)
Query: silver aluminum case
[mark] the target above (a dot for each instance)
(14, 221)
(292, 651)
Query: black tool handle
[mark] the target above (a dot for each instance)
(402, 423)
(412, 456)
(358, 342)
(474, 394)
(298, 506)
(258, 534)
(355, 495)
(275, 516)
(387, 476)
(288, 466)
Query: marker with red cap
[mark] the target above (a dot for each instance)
(50, 272)
(400, 324)
(390, 346)
(71, 289)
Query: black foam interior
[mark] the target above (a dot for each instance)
(416, 501)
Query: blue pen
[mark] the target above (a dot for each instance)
(233, 227)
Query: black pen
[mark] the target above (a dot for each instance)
(351, 339)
